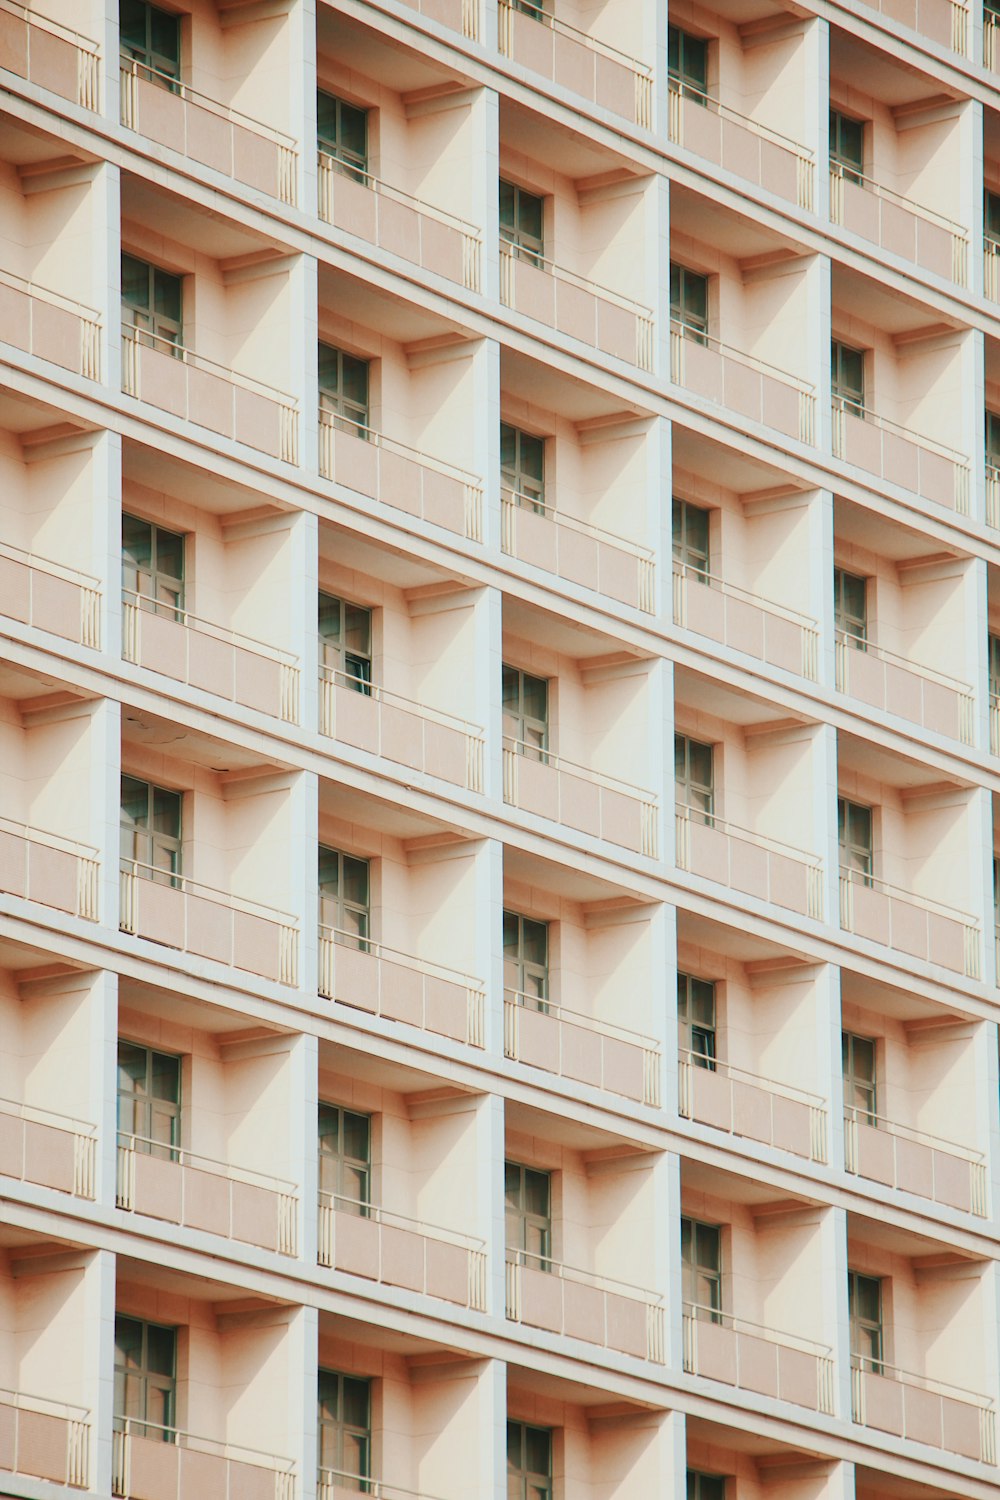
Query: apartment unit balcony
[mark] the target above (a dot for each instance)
(581, 1232)
(991, 173)
(576, 475)
(919, 1363)
(738, 306)
(896, 148)
(897, 384)
(899, 619)
(47, 53)
(910, 1096)
(566, 48)
(905, 876)
(575, 220)
(991, 423)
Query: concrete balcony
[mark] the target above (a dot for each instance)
(400, 987)
(40, 1146)
(49, 597)
(532, 284)
(544, 1293)
(584, 1048)
(45, 1439)
(743, 383)
(891, 452)
(164, 1463)
(48, 868)
(900, 1157)
(183, 1187)
(571, 58)
(410, 734)
(945, 1416)
(50, 326)
(741, 145)
(915, 924)
(890, 682)
(742, 620)
(895, 223)
(946, 22)
(366, 1240)
(50, 54)
(577, 551)
(579, 797)
(461, 15)
(177, 116)
(749, 862)
(737, 1352)
(758, 1109)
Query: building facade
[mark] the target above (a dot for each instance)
(500, 771)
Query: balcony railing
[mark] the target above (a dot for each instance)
(928, 1411)
(735, 617)
(946, 22)
(872, 908)
(366, 1240)
(360, 203)
(885, 680)
(182, 913)
(750, 386)
(605, 807)
(344, 1484)
(39, 1145)
(991, 50)
(401, 730)
(544, 1293)
(460, 15)
(355, 455)
(211, 657)
(47, 868)
(892, 452)
(177, 380)
(739, 1352)
(744, 1104)
(749, 862)
(399, 986)
(584, 1048)
(539, 40)
(532, 284)
(991, 254)
(896, 223)
(42, 593)
(914, 1161)
(49, 325)
(577, 551)
(994, 724)
(741, 145)
(166, 1463)
(992, 495)
(50, 54)
(47, 1439)
(183, 1187)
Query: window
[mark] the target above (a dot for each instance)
(344, 897)
(994, 647)
(991, 216)
(529, 1215)
(701, 1269)
(690, 527)
(342, 133)
(694, 778)
(149, 1100)
(850, 608)
(529, 1462)
(696, 1020)
(522, 467)
(521, 222)
(345, 1157)
(847, 145)
(526, 959)
(152, 305)
(152, 37)
(854, 836)
(529, 8)
(858, 1056)
(343, 390)
(847, 377)
(687, 63)
(864, 1301)
(345, 1429)
(705, 1486)
(689, 302)
(992, 439)
(996, 895)
(153, 566)
(526, 712)
(345, 641)
(151, 831)
(145, 1378)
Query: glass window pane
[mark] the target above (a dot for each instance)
(355, 384)
(135, 282)
(356, 880)
(128, 1341)
(166, 1077)
(165, 34)
(357, 1136)
(354, 131)
(536, 697)
(535, 941)
(358, 629)
(536, 1193)
(506, 205)
(356, 1402)
(538, 1451)
(161, 1349)
(511, 689)
(166, 812)
(167, 295)
(329, 870)
(530, 215)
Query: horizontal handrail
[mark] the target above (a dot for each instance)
(48, 1117)
(857, 1116)
(51, 840)
(55, 28)
(330, 163)
(518, 1257)
(44, 1406)
(563, 28)
(46, 565)
(867, 1364)
(185, 883)
(208, 627)
(913, 898)
(181, 1438)
(132, 67)
(578, 1018)
(396, 955)
(751, 361)
(510, 248)
(769, 1085)
(361, 1208)
(380, 694)
(717, 106)
(46, 294)
(758, 1330)
(364, 1484)
(182, 1157)
(736, 591)
(378, 439)
(871, 648)
(584, 773)
(865, 414)
(879, 190)
(764, 841)
(144, 336)
(573, 523)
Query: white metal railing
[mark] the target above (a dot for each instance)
(683, 337)
(135, 606)
(515, 1002)
(697, 1315)
(848, 647)
(805, 161)
(137, 876)
(992, 495)
(333, 677)
(516, 1260)
(690, 1064)
(683, 574)
(641, 72)
(515, 750)
(77, 1420)
(85, 855)
(330, 423)
(991, 262)
(286, 1193)
(331, 169)
(83, 1134)
(335, 939)
(959, 235)
(332, 1483)
(851, 879)
(88, 68)
(128, 1429)
(89, 588)
(512, 502)
(862, 1365)
(473, 1247)
(991, 52)
(512, 255)
(975, 1160)
(842, 409)
(134, 339)
(812, 865)
(994, 724)
(89, 362)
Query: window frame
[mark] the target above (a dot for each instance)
(536, 998)
(342, 934)
(685, 784)
(345, 413)
(147, 1379)
(849, 398)
(691, 1032)
(849, 166)
(693, 1269)
(992, 439)
(522, 243)
(161, 67)
(526, 1220)
(153, 329)
(354, 666)
(874, 1363)
(171, 845)
(701, 1486)
(341, 1429)
(688, 555)
(848, 625)
(526, 724)
(147, 1142)
(533, 1484)
(346, 159)
(854, 1081)
(691, 324)
(527, 489)
(342, 1161)
(848, 846)
(155, 578)
(688, 83)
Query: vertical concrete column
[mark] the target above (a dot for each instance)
(816, 92)
(105, 803)
(486, 436)
(99, 1382)
(668, 1194)
(303, 333)
(816, 332)
(489, 1476)
(661, 718)
(659, 510)
(986, 1063)
(303, 1061)
(303, 1372)
(107, 36)
(663, 975)
(656, 48)
(105, 560)
(302, 94)
(487, 208)
(836, 1322)
(487, 686)
(490, 1154)
(488, 917)
(980, 855)
(970, 155)
(656, 277)
(991, 1330)
(303, 833)
(829, 1068)
(976, 604)
(106, 261)
(819, 562)
(671, 1453)
(824, 817)
(303, 563)
(972, 439)
(102, 1076)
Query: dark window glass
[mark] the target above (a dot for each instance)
(152, 301)
(864, 1297)
(526, 960)
(858, 1058)
(993, 440)
(525, 712)
(345, 642)
(149, 1100)
(522, 222)
(151, 37)
(694, 779)
(150, 831)
(994, 646)
(705, 1486)
(529, 1462)
(850, 607)
(345, 1430)
(991, 216)
(343, 390)
(696, 1020)
(528, 1196)
(690, 528)
(847, 377)
(342, 133)
(689, 302)
(345, 1156)
(344, 897)
(701, 1269)
(522, 467)
(687, 63)
(153, 566)
(847, 145)
(145, 1378)
(854, 836)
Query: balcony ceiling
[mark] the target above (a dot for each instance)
(567, 882)
(873, 302)
(370, 815)
(345, 1062)
(24, 146)
(875, 71)
(552, 391)
(557, 633)
(193, 1015)
(729, 468)
(23, 687)
(188, 746)
(556, 148)
(887, 1000)
(875, 1484)
(382, 564)
(860, 527)
(368, 307)
(737, 1440)
(188, 483)
(733, 1187)
(21, 415)
(707, 696)
(550, 1129)
(202, 231)
(864, 1231)
(572, 1392)
(734, 943)
(868, 759)
(388, 63)
(153, 1278)
(719, 228)
(21, 960)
